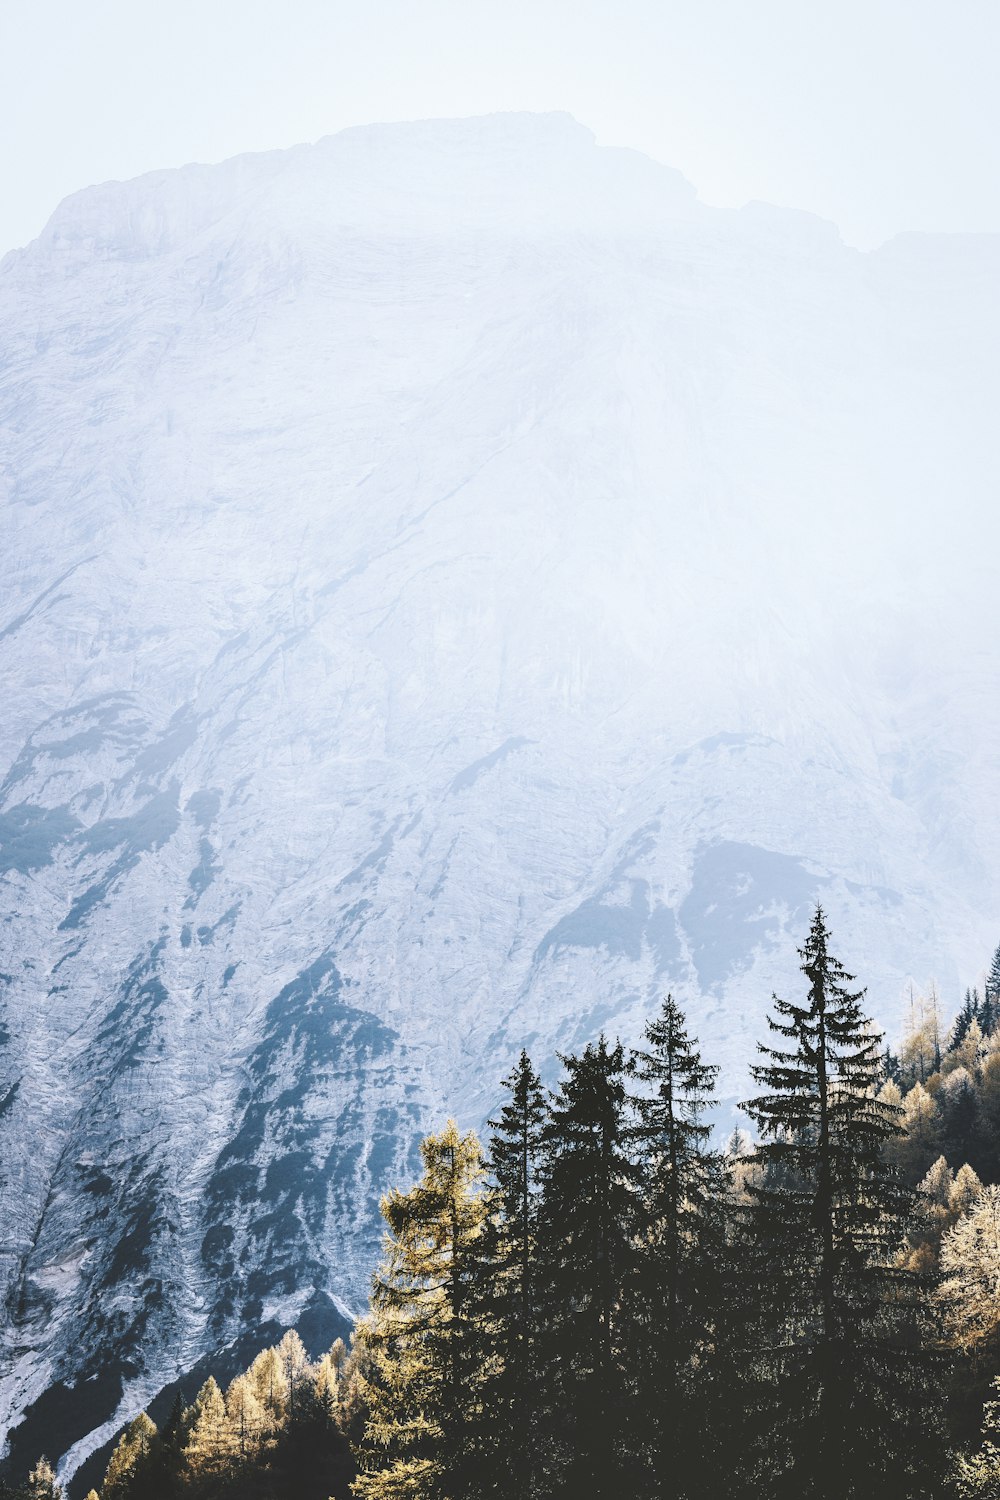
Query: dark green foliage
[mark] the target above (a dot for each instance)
(680, 1253)
(968, 1013)
(508, 1293)
(133, 1461)
(989, 1012)
(587, 1257)
(312, 1459)
(844, 1382)
(960, 1131)
(166, 1466)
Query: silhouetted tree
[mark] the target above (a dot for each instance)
(422, 1385)
(679, 1251)
(508, 1303)
(853, 1409)
(588, 1260)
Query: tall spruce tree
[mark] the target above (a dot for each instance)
(508, 1306)
(986, 1011)
(167, 1462)
(587, 1257)
(963, 1020)
(131, 1466)
(958, 1106)
(679, 1251)
(421, 1380)
(991, 996)
(853, 1414)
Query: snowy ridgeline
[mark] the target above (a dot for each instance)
(455, 586)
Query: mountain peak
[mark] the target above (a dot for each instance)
(503, 174)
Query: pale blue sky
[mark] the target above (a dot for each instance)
(879, 114)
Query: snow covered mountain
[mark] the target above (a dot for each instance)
(454, 586)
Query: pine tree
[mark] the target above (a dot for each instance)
(42, 1484)
(359, 1379)
(210, 1443)
(933, 1010)
(128, 1472)
(313, 1458)
(295, 1363)
(919, 1142)
(740, 1171)
(988, 1102)
(932, 1216)
(965, 1190)
(507, 1309)
(966, 1053)
(853, 1403)
(680, 1240)
(963, 1021)
(587, 1256)
(992, 988)
(986, 1011)
(246, 1417)
(326, 1374)
(958, 1109)
(920, 1055)
(993, 978)
(167, 1464)
(970, 1263)
(270, 1383)
(938, 1183)
(421, 1385)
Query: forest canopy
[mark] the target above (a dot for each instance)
(602, 1300)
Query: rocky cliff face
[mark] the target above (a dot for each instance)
(454, 586)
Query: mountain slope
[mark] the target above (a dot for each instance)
(455, 585)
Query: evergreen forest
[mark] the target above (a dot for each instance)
(601, 1301)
